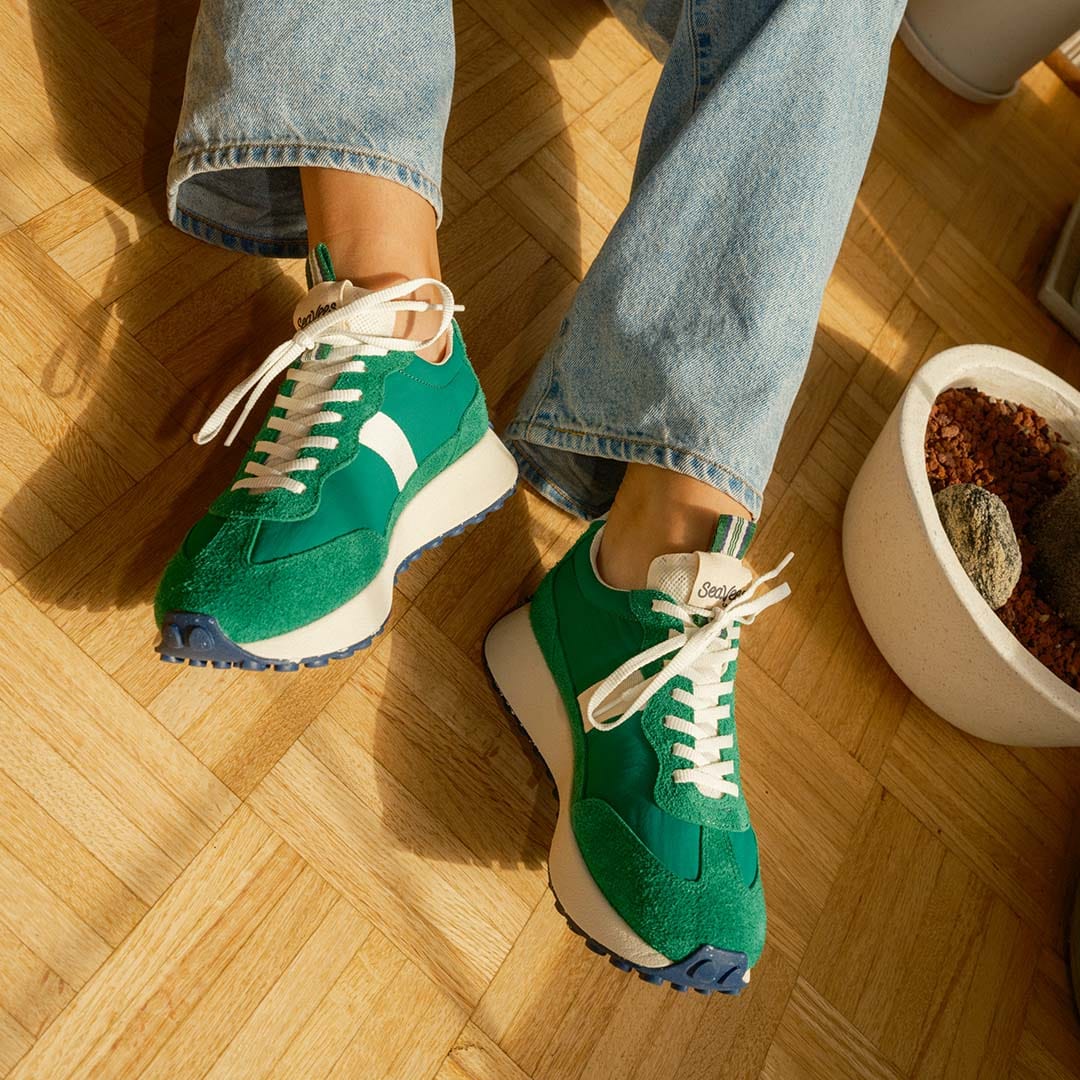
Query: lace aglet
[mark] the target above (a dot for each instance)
(207, 433)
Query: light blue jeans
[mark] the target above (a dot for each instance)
(689, 336)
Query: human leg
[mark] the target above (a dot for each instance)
(688, 338)
(662, 401)
(378, 442)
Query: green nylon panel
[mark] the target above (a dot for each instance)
(744, 847)
(360, 496)
(622, 772)
(597, 629)
(597, 632)
(426, 400)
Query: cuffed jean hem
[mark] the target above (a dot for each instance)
(580, 471)
(219, 219)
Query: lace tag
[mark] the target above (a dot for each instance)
(720, 578)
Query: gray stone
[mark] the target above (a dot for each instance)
(978, 526)
(1055, 532)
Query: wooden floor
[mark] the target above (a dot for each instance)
(341, 873)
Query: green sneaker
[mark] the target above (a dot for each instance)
(629, 697)
(369, 456)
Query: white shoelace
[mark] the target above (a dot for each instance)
(350, 331)
(703, 652)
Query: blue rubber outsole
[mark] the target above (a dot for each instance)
(707, 970)
(197, 639)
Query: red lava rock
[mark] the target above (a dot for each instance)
(1010, 450)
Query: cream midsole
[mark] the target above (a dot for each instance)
(462, 491)
(521, 673)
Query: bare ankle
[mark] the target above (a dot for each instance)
(413, 325)
(655, 512)
(379, 233)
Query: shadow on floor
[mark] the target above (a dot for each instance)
(152, 40)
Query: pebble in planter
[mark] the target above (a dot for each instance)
(1055, 530)
(978, 526)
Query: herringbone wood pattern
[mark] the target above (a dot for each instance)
(341, 873)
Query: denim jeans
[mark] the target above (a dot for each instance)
(688, 337)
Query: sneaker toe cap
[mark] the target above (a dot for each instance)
(673, 915)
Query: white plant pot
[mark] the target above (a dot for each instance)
(980, 48)
(924, 614)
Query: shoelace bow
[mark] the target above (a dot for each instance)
(354, 327)
(703, 652)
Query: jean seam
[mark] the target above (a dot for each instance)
(231, 230)
(206, 231)
(183, 158)
(184, 154)
(541, 398)
(646, 443)
(539, 481)
(691, 27)
(654, 444)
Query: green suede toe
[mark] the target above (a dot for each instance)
(673, 915)
(256, 600)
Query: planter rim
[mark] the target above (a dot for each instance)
(925, 55)
(963, 366)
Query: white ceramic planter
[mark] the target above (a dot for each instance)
(980, 48)
(925, 616)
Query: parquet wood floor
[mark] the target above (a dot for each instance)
(341, 873)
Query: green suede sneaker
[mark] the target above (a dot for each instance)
(629, 697)
(369, 456)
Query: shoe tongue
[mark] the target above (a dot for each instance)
(701, 578)
(328, 294)
(331, 295)
(706, 578)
